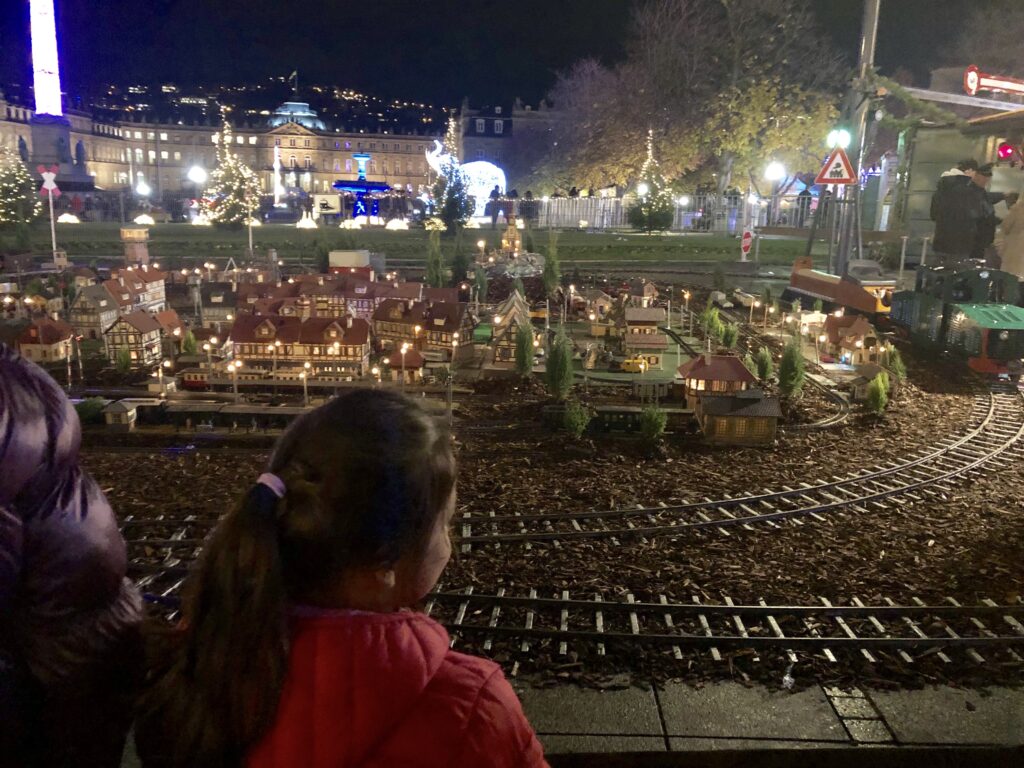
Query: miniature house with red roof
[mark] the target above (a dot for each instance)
(709, 374)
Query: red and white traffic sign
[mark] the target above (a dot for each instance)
(975, 80)
(837, 169)
(747, 241)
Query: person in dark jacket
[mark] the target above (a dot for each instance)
(950, 210)
(984, 205)
(69, 619)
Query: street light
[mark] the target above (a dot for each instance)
(642, 189)
(482, 245)
(820, 339)
(209, 358)
(775, 172)
(233, 367)
(686, 298)
(376, 374)
(405, 348)
(142, 188)
(839, 137)
(768, 310)
(160, 374)
(451, 382)
(755, 304)
(304, 375)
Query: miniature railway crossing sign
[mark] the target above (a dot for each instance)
(746, 243)
(837, 169)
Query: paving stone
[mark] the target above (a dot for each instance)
(732, 710)
(677, 744)
(555, 744)
(572, 710)
(851, 707)
(942, 715)
(869, 731)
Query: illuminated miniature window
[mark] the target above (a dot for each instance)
(252, 139)
(481, 126)
(499, 126)
(163, 136)
(150, 135)
(138, 134)
(163, 154)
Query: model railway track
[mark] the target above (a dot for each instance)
(878, 632)
(997, 427)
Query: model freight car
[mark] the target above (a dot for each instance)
(863, 290)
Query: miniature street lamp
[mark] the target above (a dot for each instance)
(416, 332)
(820, 339)
(686, 310)
(451, 382)
(159, 374)
(768, 310)
(209, 358)
(233, 367)
(304, 375)
(755, 304)
(405, 348)
(482, 245)
(376, 375)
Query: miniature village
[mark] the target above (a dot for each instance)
(601, 394)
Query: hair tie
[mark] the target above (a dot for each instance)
(273, 482)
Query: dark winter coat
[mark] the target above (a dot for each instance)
(955, 213)
(68, 616)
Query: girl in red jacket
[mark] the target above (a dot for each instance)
(298, 645)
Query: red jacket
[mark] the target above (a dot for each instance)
(383, 689)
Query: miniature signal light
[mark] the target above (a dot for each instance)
(1006, 151)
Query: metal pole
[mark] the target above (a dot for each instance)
(924, 250)
(305, 388)
(757, 249)
(53, 225)
(903, 260)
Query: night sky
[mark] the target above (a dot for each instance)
(436, 51)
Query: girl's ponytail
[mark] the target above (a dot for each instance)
(221, 689)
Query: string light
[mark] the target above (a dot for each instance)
(19, 202)
(234, 188)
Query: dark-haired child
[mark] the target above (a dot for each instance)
(298, 647)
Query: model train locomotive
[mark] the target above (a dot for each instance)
(970, 311)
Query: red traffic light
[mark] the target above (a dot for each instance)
(1006, 151)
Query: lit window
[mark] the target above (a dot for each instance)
(481, 125)
(163, 136)
(150, 135)
(348, 166)
(239, 139)
(499, 126)
(163, 154)
(152, 155)
(337, 166)
(348, 145)
(252, 139)
(497, 110)
(138, 134)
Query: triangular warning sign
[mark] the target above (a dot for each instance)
(837, 169)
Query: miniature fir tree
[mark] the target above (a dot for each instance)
(124, 360)
(765, 364)
(233, 193)
(654, 208)
(749, 364)
(878, 394)
(730, 335)
(435, 262)
(896, 365)
(791, 371)
(552, 269)
(558, 374)
(188, 343)
(480, 277)
(818, 305)
(652, 423)
(524, 351)
(451, 190)
(576, 418)
(19, 202)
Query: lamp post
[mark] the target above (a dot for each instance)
(819, 339)
(775, 172)
(405, 348)
(686, 309)
(755, 304)
(233, 367)
(768, 310)
(376, 376)
(304, 375)
(482, 245)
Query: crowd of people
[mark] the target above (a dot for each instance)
(299, 643)
(966, 225)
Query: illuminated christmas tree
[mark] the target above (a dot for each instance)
(233, 194)
(655, 207)
(454, 205)
(19, 199)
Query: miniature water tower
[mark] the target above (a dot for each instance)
(136, 245)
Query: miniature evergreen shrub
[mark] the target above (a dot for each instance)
(188, 343)
(791, 371)
(896, 365)
(749, 364)
(524, 351)
(878, 394)
(730, 335)
(90, 410)
(558, 372)
(765, 364)
(124, 360)
(652, 423)
(576, 418)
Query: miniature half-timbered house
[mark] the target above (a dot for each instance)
(410, 365)
(93, 311)
(865, 375)
(332, 346)
(746, 417)
(642, 293)
(448, 329)
(400, 321)
(642, 336)
(852, 340)
(713, 375)
(511, 315)
(140, 334)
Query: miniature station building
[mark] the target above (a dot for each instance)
(332, 346)
(709, 374)
(745, 417)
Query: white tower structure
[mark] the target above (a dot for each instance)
(45, 65)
